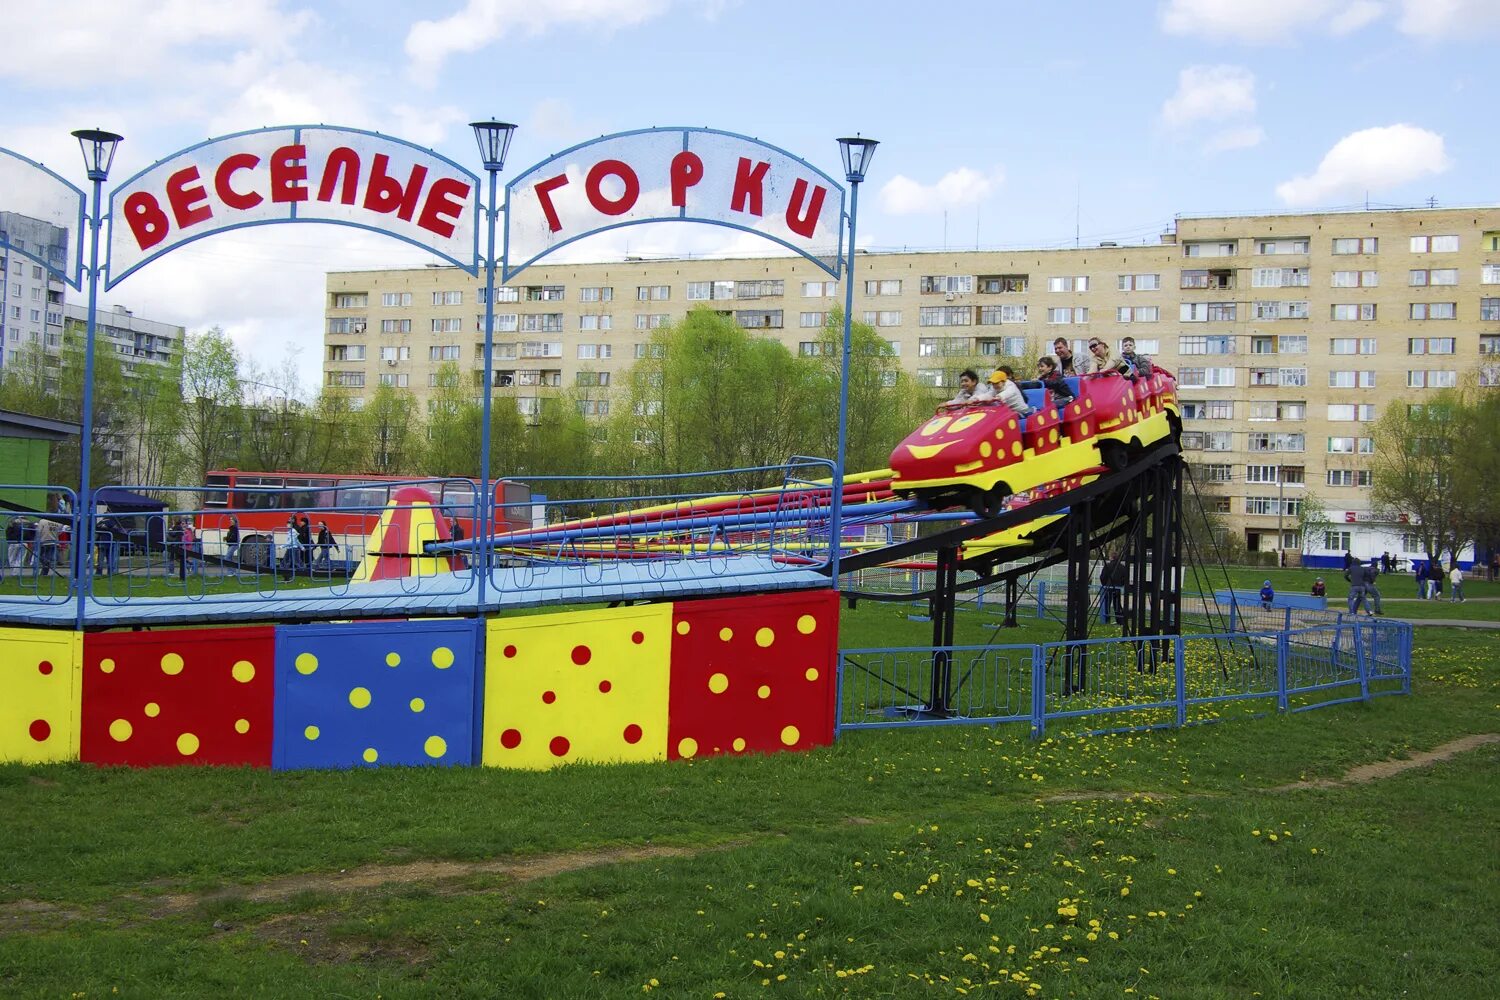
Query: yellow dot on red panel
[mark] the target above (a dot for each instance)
(107, 666)
(435, 746)
(1083, 428)
(790, 735)
(442, 657)
(764, 637)
(807, 624)
(187, 744)
(306, 663)
(812, 673)
(726, 633)
(687, 747)
(985, 450)
(370, 755)
(120, 730)
(739, 743)
(393, 659)
(242, 726)
(359, 697)
(1015, 447)
(683, 628)
(763, 692)
(171, 664)
(152, 709)
(312, 732)
(417, 704)
(718, 683)
(243, 671)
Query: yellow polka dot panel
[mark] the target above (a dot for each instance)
(772, 678)
(579, 686)
(39, 700)
(383, 693)
(179, 696)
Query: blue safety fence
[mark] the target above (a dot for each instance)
(36, 546)
(1125, 684)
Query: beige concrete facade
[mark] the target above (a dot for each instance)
(1288, 333)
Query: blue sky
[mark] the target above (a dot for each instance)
(1003, 123)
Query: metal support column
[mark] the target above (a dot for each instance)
(1076, 627)
(944, 593)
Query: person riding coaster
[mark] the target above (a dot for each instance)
(980, 453)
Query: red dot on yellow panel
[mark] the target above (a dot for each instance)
(807, 624)
(764, 637)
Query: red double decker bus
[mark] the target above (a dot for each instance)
(350, 504)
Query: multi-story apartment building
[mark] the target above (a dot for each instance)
(31, 297)
(1288, 334)
(136, 340)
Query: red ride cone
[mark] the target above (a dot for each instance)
(397, 546)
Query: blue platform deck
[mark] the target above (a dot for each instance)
(441, 596)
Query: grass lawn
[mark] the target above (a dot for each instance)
(935, 861)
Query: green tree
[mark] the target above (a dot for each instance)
(1312, 520)
(211, 402)
(390, 428)
(885, 403)
(1419, 472)
(453, 422)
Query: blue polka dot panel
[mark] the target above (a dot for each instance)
(374, 693)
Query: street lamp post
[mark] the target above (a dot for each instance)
(98, 154)
(494, 142)
(857, 153)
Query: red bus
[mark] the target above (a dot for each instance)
(246, 496)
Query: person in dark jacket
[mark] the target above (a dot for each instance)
(232, 540)
(1051, 380)
(1067, 365)
(326, 544)
(1115, 577)
(304, 539)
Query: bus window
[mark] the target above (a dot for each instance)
(216, 491)
(458, 499)
(518, 504)
(302, 498)
(247, 492)
(322, 494)
(363, 496)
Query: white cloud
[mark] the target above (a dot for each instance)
(83, 44)
(965, 186)
(482, 22)
(1264, 21)
(1244, 137)
(1210, 93)
(1373, 159)
(1439, 20)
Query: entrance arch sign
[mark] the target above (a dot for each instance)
(38, 195)
(674, 175)
(296, 173)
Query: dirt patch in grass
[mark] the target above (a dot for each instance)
(309, 938)
(1366, 773)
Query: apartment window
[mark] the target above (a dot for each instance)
(399, 380)
(653, 293)
(1263, 410)
(1068, 283)
(1012, 347)
(1489, 274)
(652, 321)
(1434, 310)
(542, 323)
(1209, 248)
(1280, 246)
(593, 407)
(700, 291)
(507, 322)
(395, 298)
(945, 316)
(651, 350)
(445, 352)
(819, 289)
(1217, 472)
(995, 315)
(503, 293)
(1489, 343)
(1279, 277)
(930, 377)
(596, 293)
(454, 298)
(600, 322)
(588, 352)
(1207, 312)
(541, 349)
(1489, 309)
(1260, 475)
(1143, 345)
(346, 352)
(451, 324)
(1348, 245)
(883, 317)
(1207, 279)
(342, 300)
(1218, 441)
(392, 354)
(545, 293)
(1277, 309)
(395, 326)
(1433, 276)
(1137, 314)
(1341, 446)
(1349, 477)
(810, 348)
(1270, 441)
(1434, 244)
(1341, 412)
(1349, 311)
(1205, 345)
(592, 379)
(1139, 282)
(347, 380)
(885, 286)
(946, 284)
(336, 324)
(1431, 379)
(1431, 345)
(1356, 279)
(1068, 315)
(1206, 378)
(1212, 409)
(759, 319)
(1004, 284)
(811, 319)
(1351, 380)
(1351, 345)
(759, 289)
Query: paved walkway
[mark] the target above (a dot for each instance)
(1446, 622)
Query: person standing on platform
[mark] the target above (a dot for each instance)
(232, 540)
